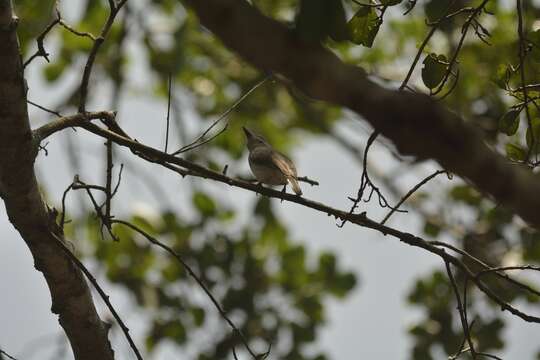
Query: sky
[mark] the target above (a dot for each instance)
(371, 323)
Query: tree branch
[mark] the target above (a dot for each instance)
(185, 167)
(416, 124)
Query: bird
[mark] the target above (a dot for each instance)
(268, 165)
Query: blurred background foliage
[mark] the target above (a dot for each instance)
(262, 276)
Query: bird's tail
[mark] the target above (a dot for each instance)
(295, 186)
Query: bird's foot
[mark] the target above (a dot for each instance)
(283, 191)
(260, 186)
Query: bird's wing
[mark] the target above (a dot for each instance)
(285, 165)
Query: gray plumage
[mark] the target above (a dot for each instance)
(268, 165)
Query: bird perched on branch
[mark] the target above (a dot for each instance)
(268, 165)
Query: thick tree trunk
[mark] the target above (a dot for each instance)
(71, 298)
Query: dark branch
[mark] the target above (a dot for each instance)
(185, 167)
(101, 293)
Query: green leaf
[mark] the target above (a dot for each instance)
(502, 76)
(509, 122)
(204, 204)
(534, 38)
(435, 9)
(363, 26)
(515, 152)
(54, 70)
(327, 263)
(434, 69)
(318, 19)
(466, 194)
(343, 284)
(533, 136)
(431, 229)
(198, 314)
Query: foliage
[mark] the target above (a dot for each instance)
(260, 274)
(258, 261)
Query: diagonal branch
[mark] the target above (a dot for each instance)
(185, 167)
(461, 310)
(114, 9)
(417, 125)
(3, 353)
(101, 293)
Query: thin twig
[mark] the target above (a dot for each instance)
(366, 183)
(101, 293)
(199, 140)
(168, 113)
(464, 31)
(105, 219)
(487, 268)
(93, 53)
(41, 48)
(434, 28)
(63, 216)
(44, 108)
(108, 181)
(203, 286)
(412, 191)
(460, 308)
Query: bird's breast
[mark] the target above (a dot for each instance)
(267, 174)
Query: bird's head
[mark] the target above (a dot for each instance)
(254, 140)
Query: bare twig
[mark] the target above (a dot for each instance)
(168, 113)
(105, 221)
(44, 108)
(114, 9)
(485, 266)
(417, 57)
(308, 180)
(460, 308)
(41, 48)
(63, 214)
(412, 191)
(197, 279)
(200, 140)
(101, 293)
(366, 183)
(108, 181)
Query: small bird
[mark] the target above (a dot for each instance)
(268, 165)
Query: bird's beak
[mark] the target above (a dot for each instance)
(248, 133)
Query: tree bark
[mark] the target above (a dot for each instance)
(71, 297)
(416, 124)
